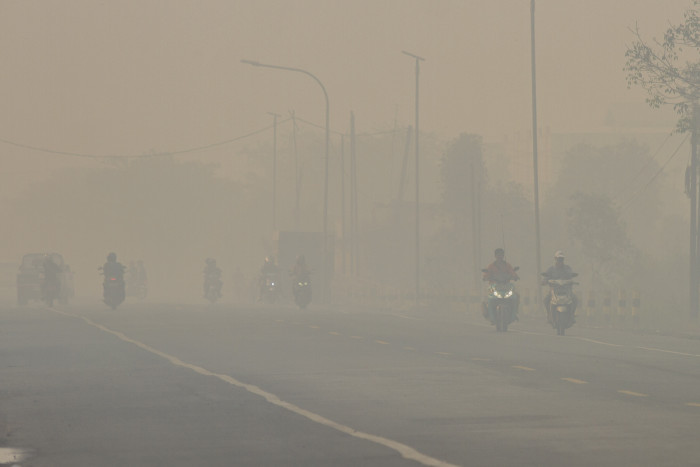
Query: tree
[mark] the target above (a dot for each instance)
(669, 70)
(670, 73)
(597, 228)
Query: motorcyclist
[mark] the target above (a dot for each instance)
(300, 271)
(143, 277)
(112, 268)
(268, 268)
(132, 274)
(212, 276)
(52, 275)
(558, 270)
(500, 271)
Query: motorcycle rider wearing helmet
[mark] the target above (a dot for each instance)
(500, 270)
(212, 276)
(112, 268)
(558, 270)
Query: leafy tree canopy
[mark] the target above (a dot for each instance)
(669, 70)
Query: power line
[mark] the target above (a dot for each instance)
(661, 169)
(642, 169)
(141, 156)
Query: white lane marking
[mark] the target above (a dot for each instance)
(632, 393)
(356, 337)
(597, 342)
(443, 353)
(575, 381)
(668, 351)
(382, 342)
(406, 317)
(693, 404)
(333, 333)
(525, 368)
(404, 450)
(409, 348)
(11, 455)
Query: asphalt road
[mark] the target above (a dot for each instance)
(179, 385)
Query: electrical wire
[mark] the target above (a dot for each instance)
(140, 156)
(661, 169)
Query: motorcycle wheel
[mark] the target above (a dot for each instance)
(561, 324)
(501, 320)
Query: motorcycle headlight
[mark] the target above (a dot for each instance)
(509, 294)
(497, 294)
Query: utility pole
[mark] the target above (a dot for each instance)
(297, 190)
(274, 170)
(418, 60)
(693, 286)
(342, 203)
(534, 154)
(354, 230)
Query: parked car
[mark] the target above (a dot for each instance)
(31, 275)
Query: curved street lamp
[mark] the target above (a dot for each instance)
(325, 183)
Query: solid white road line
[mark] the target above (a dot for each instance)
(404, 450)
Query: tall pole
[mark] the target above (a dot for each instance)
(326, 258)
(534, 153)
(418, 60)
(354, 228)
(297, 188)
(693, 301)
(342, 204)
(274, 170)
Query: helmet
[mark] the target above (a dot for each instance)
(499, 251)
(112, 257)
(559, 254)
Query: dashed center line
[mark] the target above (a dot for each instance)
(382, 342)
(575, 381)
(333, 333)
(669, 351)
(632, 393)
(693, 404)
(356, 337)
(443, 353)
(525, 368)
(315, 327)
(408, 348)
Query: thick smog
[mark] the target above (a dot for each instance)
(350, 233)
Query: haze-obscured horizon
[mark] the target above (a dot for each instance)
(85, 79)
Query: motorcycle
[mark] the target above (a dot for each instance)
(269, 284)
(212, 288)
(114, 290)
(561, 304)
(302, 291)
(137, 289)
(502, 292)
(50, 290)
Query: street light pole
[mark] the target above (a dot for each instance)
(274, 170)
(325, 183)
(534, 153)
(418, 60)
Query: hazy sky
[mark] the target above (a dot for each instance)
(131, 77)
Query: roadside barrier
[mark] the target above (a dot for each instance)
(596, 307)
(622, 305)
